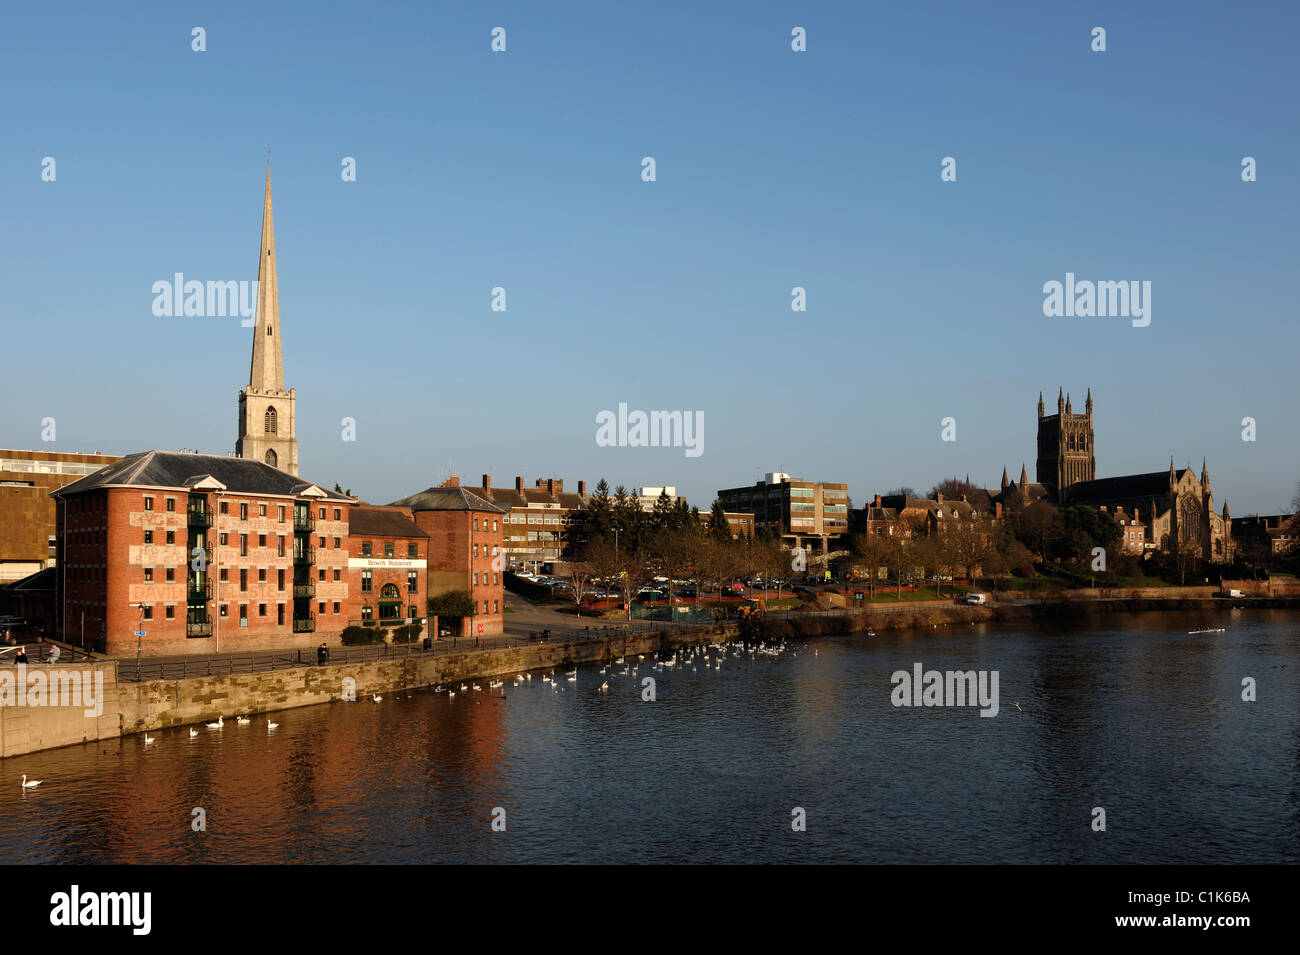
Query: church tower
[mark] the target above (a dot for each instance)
(266, 410)
(1065, 450)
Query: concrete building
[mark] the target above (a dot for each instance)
(28, 532)
(267, 416)
(812, 515)
(536, 521)
(203, 553)
(648, 496)
(465, 550)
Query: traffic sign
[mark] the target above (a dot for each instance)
(141, 633)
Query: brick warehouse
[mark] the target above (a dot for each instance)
(204, 553)
(388, 562)
(465, 550)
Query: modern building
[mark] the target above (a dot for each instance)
(537, 519)
(266, 410)
(812, 515)
(201, 553)
(648, 496)
(388, 567)
(465, 550)
(28, 532)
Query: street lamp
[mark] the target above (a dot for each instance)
(139, 641)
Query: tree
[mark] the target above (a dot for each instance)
(1186, 555)
(452, 608)
(953, 488)
(578, 576)
(899, 559)
(969, 543)
(870, 550)
(1038, 527)
(664, 512)
(719, 526)
(903, 491)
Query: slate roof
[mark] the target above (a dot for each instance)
(448, 499)
(177, 470)
(1154, 484)
(381, 522)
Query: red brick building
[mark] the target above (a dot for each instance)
(388, 567)
(202, 553)
(465, 550)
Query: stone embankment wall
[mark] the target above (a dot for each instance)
(83, 686)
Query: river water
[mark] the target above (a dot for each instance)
(1131, 714)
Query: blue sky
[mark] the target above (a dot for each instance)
(775, 169)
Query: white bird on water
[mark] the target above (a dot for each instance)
(376, 698)
(193, 733)
(218, 724)
(604, 687)
(242, 720)
(271, 726)
(30, 785)
(149, 739)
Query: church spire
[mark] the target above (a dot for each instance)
(267, 371)
(1024, 477)
(1068, 409)
(1205, 477)
(1060, 401)
(1005, 482)
(1088, 406)
(1040, 404)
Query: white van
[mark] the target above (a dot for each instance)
(1235, 593)
(978, 600)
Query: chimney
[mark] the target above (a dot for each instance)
(519, 484)
(939, 496)
(453, 481)
(550, 485)
(487, 482)
(877, 504)
(997, 511)
(582, 488)
(963, 499)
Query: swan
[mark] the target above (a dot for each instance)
(30, 785)
(375, 697)
(148, 739)
(271, 726)
(604, 687)
(451, 694)
(218, 724)
(242, 720)
(193, 733)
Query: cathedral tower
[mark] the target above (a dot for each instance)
(1065, 450)
(266, 410)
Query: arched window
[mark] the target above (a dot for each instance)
(389, 592)
(270, 421)
(271, 458)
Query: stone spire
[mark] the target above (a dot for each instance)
(267, 371)
(1060, 401)
(1040, 404)
(1005, 482)
(1024, 477)
(1088, 407)
(267, 411)
(1068, 409)
(1205, 477)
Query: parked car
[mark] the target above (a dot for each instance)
(978, 600)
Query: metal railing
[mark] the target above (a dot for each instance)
(199, 517)
(303, 522)
(304, 555)
(304, 625)
(304, 590)
(199, 591)
(195, 628)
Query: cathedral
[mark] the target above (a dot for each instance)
(266, 410)
(1174, 507)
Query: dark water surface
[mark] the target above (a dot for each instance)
(1131, 713)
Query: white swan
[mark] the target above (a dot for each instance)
(242, 720)
(30, 785)
(218, 724)
(271, 726)
(148, 739)
(604, 687)
(193, 733)
(376, 698)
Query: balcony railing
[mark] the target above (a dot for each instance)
(305, 555)
(303, 522)
(198, 628)
(199, 517)
(304, 590)
(304, 625)
(199, 590)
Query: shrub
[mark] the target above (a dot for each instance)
(407, 634)
(362, 636)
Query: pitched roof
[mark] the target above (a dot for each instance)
(179, 470)
(381, 522)
(448, 499)
(1127, 486)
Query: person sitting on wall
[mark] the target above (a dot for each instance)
(54, 654)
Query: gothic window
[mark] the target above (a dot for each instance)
(270, 421)
(271, 458)
(389, 591)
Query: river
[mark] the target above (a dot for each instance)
(1128, 713)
